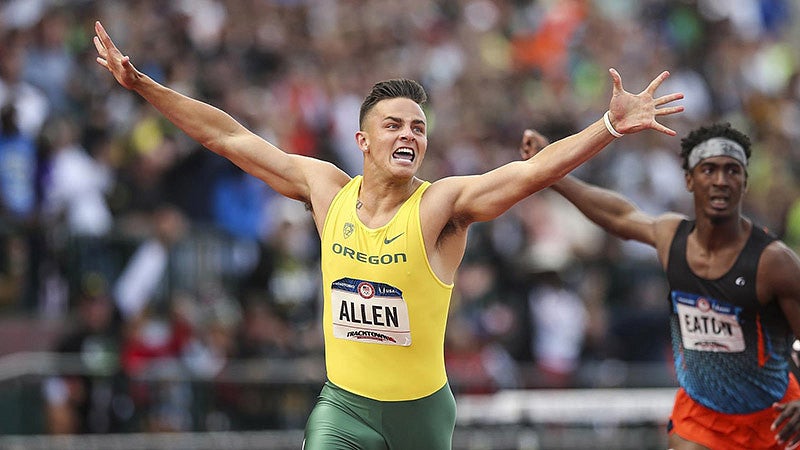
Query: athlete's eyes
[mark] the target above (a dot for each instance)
(733, 169)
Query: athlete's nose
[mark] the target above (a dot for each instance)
(721, 177)
(407, 134)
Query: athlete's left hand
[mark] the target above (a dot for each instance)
(787, 423)
(630, 113)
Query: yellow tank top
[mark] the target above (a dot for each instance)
(385, 310)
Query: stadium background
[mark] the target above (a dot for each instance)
(153, 296)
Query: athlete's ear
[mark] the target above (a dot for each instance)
(362, 139)
(689, 181)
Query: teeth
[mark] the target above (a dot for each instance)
(404, 153)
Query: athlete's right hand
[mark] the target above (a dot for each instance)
(112, 59)
(787, 424)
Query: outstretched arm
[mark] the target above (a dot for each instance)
(610, 210)
(484, 197)
(290, 175)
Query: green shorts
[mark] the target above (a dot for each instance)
(343, 420)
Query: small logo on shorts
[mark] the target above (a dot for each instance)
(740, 281)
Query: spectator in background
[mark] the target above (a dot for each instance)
(150, 355)
(240, 204)
(145, 274)
(74, 213)
(25, 109)
(157, 328)
(76, 184)
(18, 169)
(481, 319)
(95, 399)
(30, 103)
(283, 277)
(559, 320)
(476, 362)
(49, 65)
(19, 234)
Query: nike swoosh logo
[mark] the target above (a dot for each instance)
(389, 241)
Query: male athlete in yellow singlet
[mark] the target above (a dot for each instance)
(384, 322)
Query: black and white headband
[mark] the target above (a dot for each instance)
(717, 146)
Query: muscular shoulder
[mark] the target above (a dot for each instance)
(318, 171)
(439, 216)
(778, 258)
(665, 227)
(437, 201)
(324, 181)
(779, 270)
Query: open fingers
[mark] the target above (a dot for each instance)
(665, 112)
(102, 35)
(788, 423)
(616, 79)
(668, 98)
(669, 110)
(101, 49)
(662, 129)
(651, 88)
(105, 46)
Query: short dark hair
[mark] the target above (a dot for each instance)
(707, 132)
(394, 88)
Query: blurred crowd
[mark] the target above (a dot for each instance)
(159, 256)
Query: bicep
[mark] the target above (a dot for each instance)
(478, 198)
(656, 231)
(293, 176)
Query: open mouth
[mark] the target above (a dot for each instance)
(719, 202)
(404, 154)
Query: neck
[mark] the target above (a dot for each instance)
(720, 233)
(377, 203)
(372, 194)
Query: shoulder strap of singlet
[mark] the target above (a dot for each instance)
(677, 250)
(759, 239)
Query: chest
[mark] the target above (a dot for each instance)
(727, 274)
(711, 265)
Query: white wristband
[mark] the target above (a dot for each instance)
(609, 127)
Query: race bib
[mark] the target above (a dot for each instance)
(708, 325)
(371, 312)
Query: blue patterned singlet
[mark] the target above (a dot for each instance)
(731, 353)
